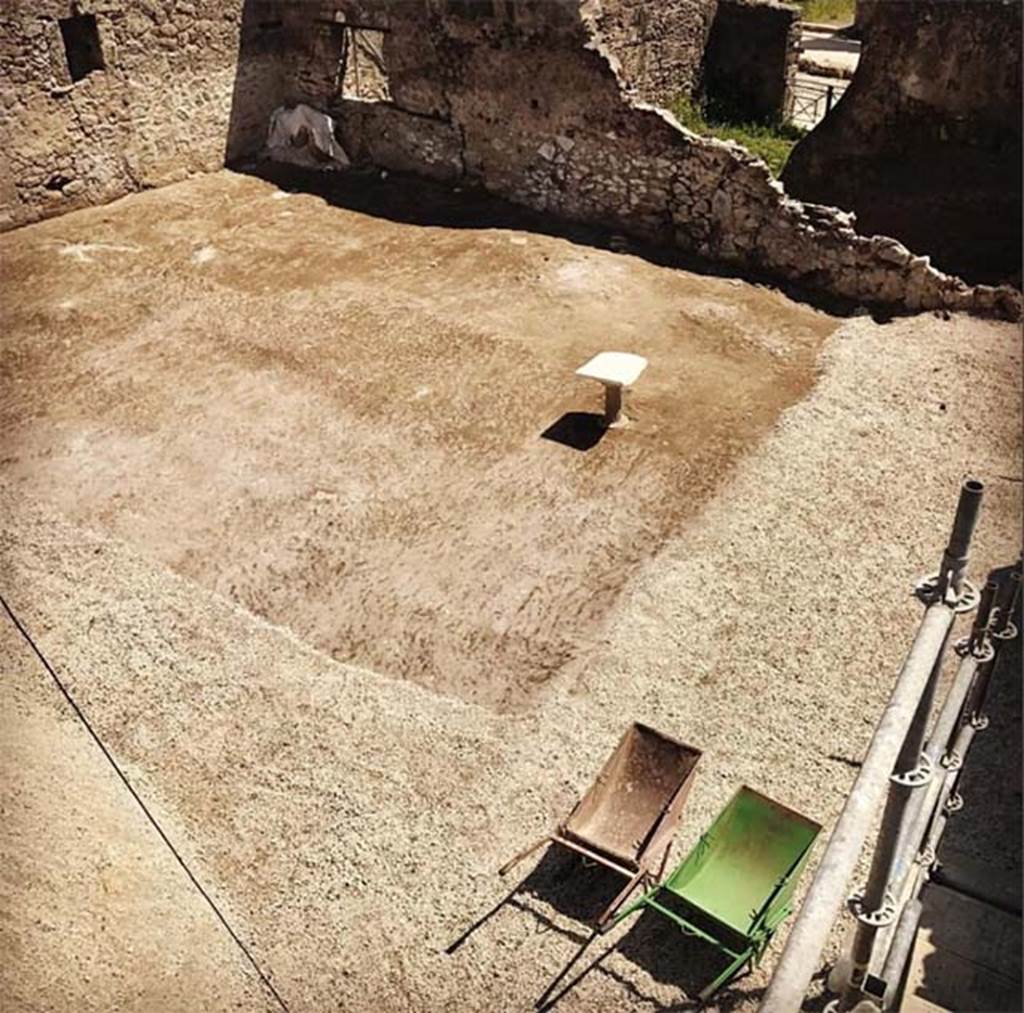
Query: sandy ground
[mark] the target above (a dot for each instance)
(218, 474)
(98, 914)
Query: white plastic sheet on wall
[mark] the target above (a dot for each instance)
(304, 136)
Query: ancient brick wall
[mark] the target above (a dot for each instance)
(524, 100)
(926, 143)
(751, 59)
(100, 98)
(659, 46)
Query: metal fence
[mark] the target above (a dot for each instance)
(915, 773)
(811, 101)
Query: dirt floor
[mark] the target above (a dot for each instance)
(316, 412)
(280, 499)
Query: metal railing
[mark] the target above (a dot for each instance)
(811, 102)
(916, 777)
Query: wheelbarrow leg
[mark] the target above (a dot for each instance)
(452, 947)
(727, 975)
(523, 854)
(542, 1001)
(664, 861)
(620, 899)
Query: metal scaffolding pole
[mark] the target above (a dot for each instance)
(828, 890)
(905, 880)
(977, 654)
(895, 745)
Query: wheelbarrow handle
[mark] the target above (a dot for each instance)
(516, 859)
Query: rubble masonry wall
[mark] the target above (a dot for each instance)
(660, 46)
(521, 97)
(526, 101)
(751, 59)
(161, 108)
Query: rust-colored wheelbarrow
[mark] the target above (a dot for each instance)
(627, 819)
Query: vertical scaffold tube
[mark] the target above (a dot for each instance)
(828, 890)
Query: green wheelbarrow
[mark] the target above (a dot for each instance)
(736, 885)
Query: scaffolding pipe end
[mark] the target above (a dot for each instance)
(967, 509)
(984, 614)
(954, 559)
(1006, 602)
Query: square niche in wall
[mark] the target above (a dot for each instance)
(364, 74)
(81, 45)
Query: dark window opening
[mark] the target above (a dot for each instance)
(81, 45)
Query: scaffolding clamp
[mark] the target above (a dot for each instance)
(954, 803)
(878, 918)
(931, 589)
(916, 777)
(979, 648)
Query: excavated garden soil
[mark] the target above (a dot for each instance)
(370, 431)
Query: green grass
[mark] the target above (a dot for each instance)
(770, 141)
(828, 12)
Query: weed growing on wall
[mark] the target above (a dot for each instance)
(771, 141)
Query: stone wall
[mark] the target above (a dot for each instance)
(751, 59)
(659, 46)
(524, 100)
(926, 143)
(170, 98)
